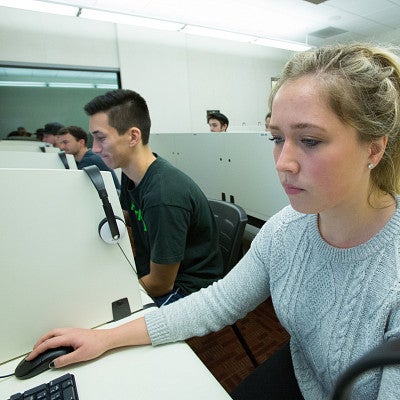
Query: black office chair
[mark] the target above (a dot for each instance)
(387, 353)
(231, 220)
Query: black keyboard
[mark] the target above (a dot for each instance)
(62, 388)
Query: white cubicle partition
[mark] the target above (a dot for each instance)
(27, 145)
(22, 159)
(236, 164)
(22, 142)
(55, 270)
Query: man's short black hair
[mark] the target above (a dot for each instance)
(77, 132)
(53, 127)
(220, 117)
(125, 108)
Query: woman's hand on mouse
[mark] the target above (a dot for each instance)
(87, 344)
(91, 343)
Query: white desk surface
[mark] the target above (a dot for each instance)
(170, 371)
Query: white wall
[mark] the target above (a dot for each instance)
(32, 37)
(181, 76)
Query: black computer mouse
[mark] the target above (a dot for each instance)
(27, 369)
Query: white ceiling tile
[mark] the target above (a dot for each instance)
(389, 17)
(285, 19)
(359, 7)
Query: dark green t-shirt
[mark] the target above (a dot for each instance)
(172, 222)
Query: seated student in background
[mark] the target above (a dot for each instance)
(218, 122)
(50, 133)
(21, 132)
(330, 261)
(73, 140)
(175, 235)
(39, 134)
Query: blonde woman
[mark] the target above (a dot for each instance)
(330, 261)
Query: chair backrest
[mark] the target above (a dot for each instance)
(231, 220)
(385, 354)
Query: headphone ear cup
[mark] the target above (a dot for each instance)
(105, 231)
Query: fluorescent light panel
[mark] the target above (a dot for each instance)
(106, 86)
(22, 84)
(217, 33)
(70, 85)
(190, 29)
(151, 23)
(281, 44)
(130, 20)
(76, 85)
(82, 85)
(41, 6)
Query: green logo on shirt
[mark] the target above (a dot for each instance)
(139, 216)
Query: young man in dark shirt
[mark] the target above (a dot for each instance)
(175, 234)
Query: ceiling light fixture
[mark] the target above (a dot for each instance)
(190, 29)
(77, 85)
(282, 44)
(217, 33)
(22, 84)
(41, 6)
(106, 86)
(129, 20)
(126, 19)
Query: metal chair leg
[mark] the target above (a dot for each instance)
(244, 345)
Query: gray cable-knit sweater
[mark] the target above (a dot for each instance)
(335, 303)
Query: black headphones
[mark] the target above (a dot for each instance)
(63, 158)
(111, 228)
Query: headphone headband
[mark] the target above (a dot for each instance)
(94, 174)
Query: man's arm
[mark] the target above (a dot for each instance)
(161, 279)
(126, 217)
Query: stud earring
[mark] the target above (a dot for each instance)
(370, 165)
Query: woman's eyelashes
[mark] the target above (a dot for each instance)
(277, 139)
(308, 142)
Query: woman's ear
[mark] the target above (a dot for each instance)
(377, 149)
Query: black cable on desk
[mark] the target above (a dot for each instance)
(6, 376)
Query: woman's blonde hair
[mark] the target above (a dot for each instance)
(362, 84)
